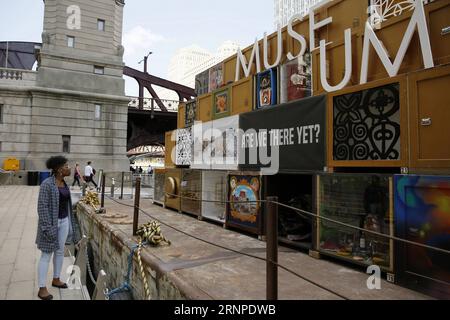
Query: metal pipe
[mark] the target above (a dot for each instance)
(272, 248)
(103, 191)
(113, 185)
(137, 198)
(83, 189)
(121, 186)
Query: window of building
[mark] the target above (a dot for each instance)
(71, 42)
(66, 144)
(101, 25)
(1, 113)
(99, 70)
(98, 112)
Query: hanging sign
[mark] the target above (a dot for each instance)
(291, 136)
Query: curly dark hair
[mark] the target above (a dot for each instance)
(54, 163)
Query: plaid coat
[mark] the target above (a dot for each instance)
(48, 210)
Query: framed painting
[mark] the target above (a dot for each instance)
(222, 103)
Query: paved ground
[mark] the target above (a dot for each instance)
(215, 272)
(219, 274)
(18, 253)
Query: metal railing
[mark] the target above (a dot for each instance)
(151, 104)
(16, 76)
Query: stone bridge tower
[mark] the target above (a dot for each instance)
(79, 106)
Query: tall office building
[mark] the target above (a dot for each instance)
(190, 61)
(285, 9)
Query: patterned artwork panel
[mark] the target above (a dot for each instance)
(184, 147)
(367, 124)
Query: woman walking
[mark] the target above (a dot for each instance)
(56, 224)
(77, 176)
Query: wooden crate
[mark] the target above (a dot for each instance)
(172, 189)
(159, 186)
(214, 190)
(438, 16)
(429, 118)
(335, 57)
(229, 70)
(170, 149)
(355, 123)
(272, 48)
(391, 34)
(242, 96)
(346, 14)
(297, 190)
(342, 197)
(181, 119)
(205, 104)
(191, 191)
(353, 14)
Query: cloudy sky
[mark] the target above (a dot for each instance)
(159, 26)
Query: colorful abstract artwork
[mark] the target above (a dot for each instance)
(266, 88)
(422, 209)
(216, 77)
(221, 103)
(244, 194)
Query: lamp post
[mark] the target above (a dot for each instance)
(141, 87)
(145, 61)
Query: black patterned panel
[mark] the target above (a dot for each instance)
(367, 124)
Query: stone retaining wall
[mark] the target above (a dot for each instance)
(111, 247)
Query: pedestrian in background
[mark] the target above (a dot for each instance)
(89, 174)
(56, 225)
(77, 176)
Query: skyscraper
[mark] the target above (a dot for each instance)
(285, 9)
(192, 60)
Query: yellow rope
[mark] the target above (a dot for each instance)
(148, 233)
(141, 267)
(91, 199)
(151, 233)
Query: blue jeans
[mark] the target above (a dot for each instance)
(58, 255)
